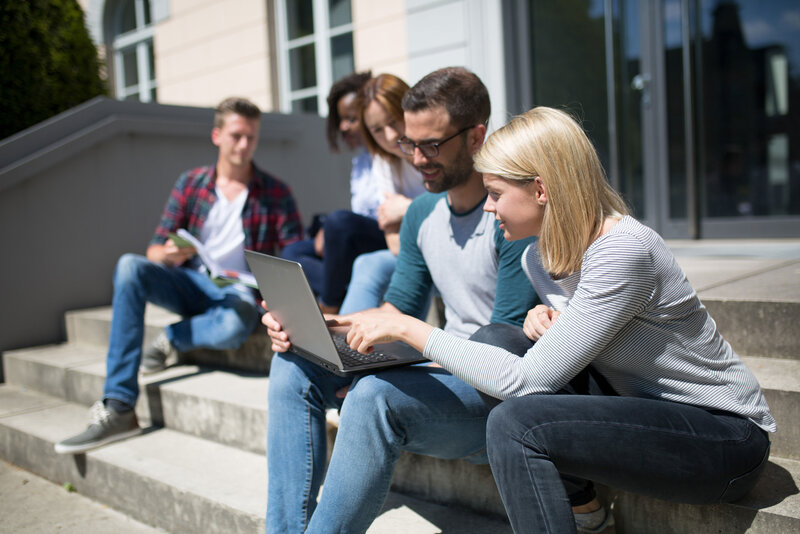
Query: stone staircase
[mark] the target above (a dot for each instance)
(200, 466)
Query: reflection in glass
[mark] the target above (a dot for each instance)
(630, 88)
(127, 16)
(342, 62)
(750, 81)
(339, 12)
(151, 64)
(305, 105)
(302, 65)
(570, 73)
(299, 18)
(130, 68)
(676, 146)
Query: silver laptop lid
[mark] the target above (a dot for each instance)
(291, 301)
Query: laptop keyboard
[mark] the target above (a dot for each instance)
(351, 357)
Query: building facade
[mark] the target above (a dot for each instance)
(694, 105)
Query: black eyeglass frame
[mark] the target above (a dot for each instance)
(407, 146)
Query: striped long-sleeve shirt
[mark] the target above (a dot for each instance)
(631, 313)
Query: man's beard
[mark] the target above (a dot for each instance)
(456, 174)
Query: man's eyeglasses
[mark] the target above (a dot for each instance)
(429, 150)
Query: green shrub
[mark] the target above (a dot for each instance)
(48, 62)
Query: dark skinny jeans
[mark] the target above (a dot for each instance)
(541, 446)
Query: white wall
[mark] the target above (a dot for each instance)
(207, 50)
(466, 33)
(380, 37)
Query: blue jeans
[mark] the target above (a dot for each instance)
(372, 273)
(216, 318)
(420, 409)
(658, 448)
(347, 235)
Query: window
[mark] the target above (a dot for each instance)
(133, 57)
(315, 39)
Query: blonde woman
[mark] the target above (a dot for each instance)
(680, 416)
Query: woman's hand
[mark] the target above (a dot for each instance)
(280, 339)
(538, 321)
(319, 243)
(392, 210)
(369, 328)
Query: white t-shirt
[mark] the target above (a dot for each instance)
(222, 233)
(397, 176)
(364, 195)
(373, 177)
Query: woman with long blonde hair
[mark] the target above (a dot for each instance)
(676, 414)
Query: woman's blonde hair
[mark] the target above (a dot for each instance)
(550, 144)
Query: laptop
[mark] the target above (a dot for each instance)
(285, 289)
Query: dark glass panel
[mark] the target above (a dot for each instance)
(305, 105)
(750, 81)
(299, 18)
(339, 12)
(342, 62)
(127, 20)
(302, 65)
(130, 68)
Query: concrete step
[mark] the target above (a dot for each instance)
(178, 482)
(780, 381)
(772, 507)
(755, 302)
(182, 483)
(226, 406)
(231, 408)
(759, 328)
(752, 323)
(32, 504)
(92, 326)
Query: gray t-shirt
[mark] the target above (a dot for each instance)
(477, 272)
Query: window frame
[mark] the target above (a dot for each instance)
(138, 40)
(321, 39)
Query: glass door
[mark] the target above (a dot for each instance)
(730, 79)
(693, 105)
(585, 56)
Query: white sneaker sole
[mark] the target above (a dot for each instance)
(79, 449)
(144, 371)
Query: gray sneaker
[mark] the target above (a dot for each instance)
(106, 426)
(154, 358)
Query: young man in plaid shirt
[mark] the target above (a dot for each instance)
(228, 207)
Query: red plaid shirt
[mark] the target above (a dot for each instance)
(269, 218)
